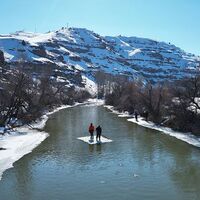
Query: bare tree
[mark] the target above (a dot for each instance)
(17, 90)
(155, 99)
(189, 92)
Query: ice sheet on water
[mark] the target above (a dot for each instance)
(88, 140)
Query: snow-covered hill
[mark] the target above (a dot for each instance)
(80, 51)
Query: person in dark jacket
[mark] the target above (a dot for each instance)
(136, 115)
(146, 115)
(98, 132)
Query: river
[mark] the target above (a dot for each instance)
(139, 164)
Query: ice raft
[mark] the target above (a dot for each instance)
(88, 140)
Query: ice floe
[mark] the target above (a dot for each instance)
(88, 140)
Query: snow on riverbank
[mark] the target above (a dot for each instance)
(96, 102)
(186, 137)
(24, 139)
(17, 145)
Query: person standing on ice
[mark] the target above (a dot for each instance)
(136, 115)
(146, 115)
(98, 131)
(91, 131)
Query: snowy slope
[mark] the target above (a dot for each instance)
(77, 50)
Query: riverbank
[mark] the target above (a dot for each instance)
(136, 163)
(22, 140)
(185, 137)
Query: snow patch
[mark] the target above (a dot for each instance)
(96, 102)
(90, 85)
(8, 56)
(88, 140)
(185, 137)
(43, 60)
(135, 51)
(18, 144)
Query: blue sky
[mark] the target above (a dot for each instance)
(175, 21)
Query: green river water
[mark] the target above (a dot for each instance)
(139, 164)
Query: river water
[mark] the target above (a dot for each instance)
(139, 164)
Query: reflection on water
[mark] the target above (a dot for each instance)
(95, 148)
(139, 164)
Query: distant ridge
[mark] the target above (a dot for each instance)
(80, 50)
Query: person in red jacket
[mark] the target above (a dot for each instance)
(91, 131)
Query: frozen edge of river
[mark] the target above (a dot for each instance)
(185, 137)
(24, 139)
